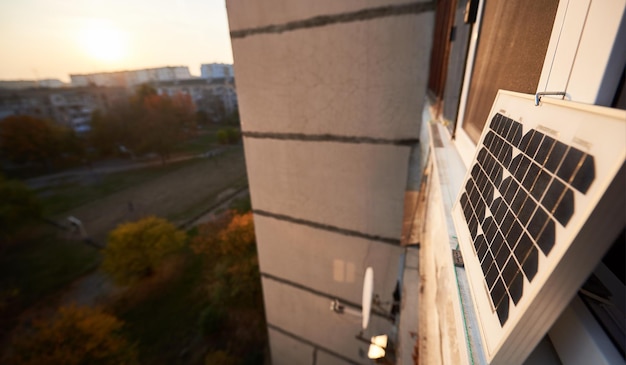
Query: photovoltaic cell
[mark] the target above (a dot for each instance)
(536, 194)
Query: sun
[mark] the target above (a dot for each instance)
(103, 41)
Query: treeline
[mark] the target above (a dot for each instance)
(136, 253)
(146, 123)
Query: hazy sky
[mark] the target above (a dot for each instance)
(53, 38)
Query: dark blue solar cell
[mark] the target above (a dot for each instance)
(553, 194)
(507, 222)
(526, 139)
(570, 163)
(514, 232)
(475, 172)
(527, 211)
(487, 261)
(515, 136)
(504, 185)
(546, 238)
(501, 212)
(530, 264)
(510, 192)
(518, 201)
(540, 185)
(531, 176)
(495, 121)
(523, 247)
(498, 292)
(481, 247)
(585, 175)
(544, 150)
(537, 222)
(491, 276)
(503, 311)
(503, 254)
(506, 154)
(520, 173)
(565, 208)
(473, 226)
(516, 288)
(556, 156)
(482, 154)
(533, 145)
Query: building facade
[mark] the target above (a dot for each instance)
(70, 106)
(207, 95)
(351, 166)
(216, 71)
(27, 84)
(330, 99)
(130, 79)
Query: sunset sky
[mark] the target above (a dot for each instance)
(53, 38)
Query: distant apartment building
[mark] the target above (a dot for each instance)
(130, 79)
(204, 93)
(216, 71)
(71, 107)
(26, 84)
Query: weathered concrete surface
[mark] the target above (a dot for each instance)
(325, 261)
(356, 187)
(243, 14)
(355, 79)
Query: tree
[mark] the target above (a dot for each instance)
(19, 207)
(120, 126)
(166, 121)
(74, 336)
(136, 249)
(229, 244)
(228, 136)
(26, 139)
(146, 123)
(220, 357)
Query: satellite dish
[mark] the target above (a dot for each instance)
(368, 292)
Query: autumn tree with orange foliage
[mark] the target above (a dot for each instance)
(230, 247)
(74, 336)
(135, 250)
(25, 139)
(146, 123)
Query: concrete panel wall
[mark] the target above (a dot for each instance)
(351, 79)
(358, 187)
(245, 14)
(308, 316)
(330, 111)
(325, 261)
(288, 351)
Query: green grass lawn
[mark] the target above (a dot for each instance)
(203, 142)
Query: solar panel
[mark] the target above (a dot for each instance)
(538, 174)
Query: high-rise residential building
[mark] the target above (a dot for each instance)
(26, 84)
(375, 137)
(130, 79)
(204, 93)
(216, 71)
(70, 106)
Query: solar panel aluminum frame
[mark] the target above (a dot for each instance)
(598, 216)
